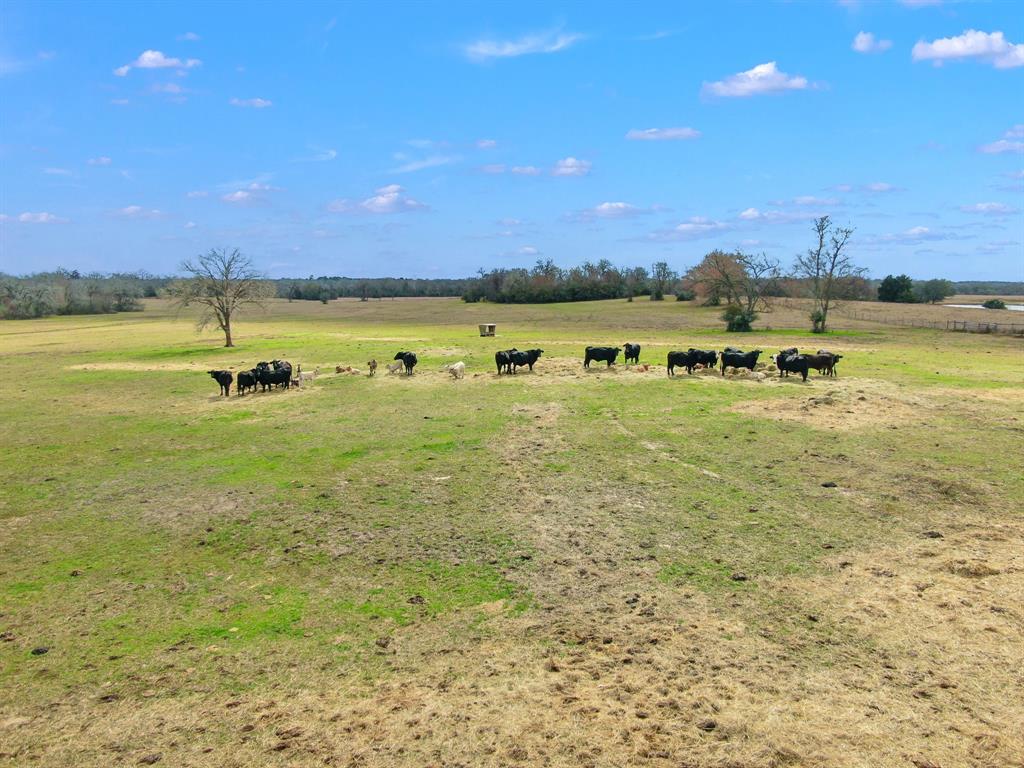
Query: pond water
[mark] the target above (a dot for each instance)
(1014, 307)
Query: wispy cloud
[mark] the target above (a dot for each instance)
(433, 161)
(990, 47)
(318, 156)
(1010, 143)
(609, 210)
(913, 236)
(57, 172)
(255, 103)
(197, 194)
(694, 228)
(486, 143)
(865, 42)
(11, 66)
(190, 37)
(156, 60)
(989, 209)
(493, 168)
(549, 41)
(526, 170)
(102, 160)
(764, 78)
(137, 212)
(389, 199)
(42, 217)
(662, 134)
(570, 166)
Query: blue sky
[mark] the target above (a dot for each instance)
(433, 139)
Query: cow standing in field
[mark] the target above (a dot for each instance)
(607, 354)
(789, 361)
(518, 359)
(691, 359)
(831, 369)
(279, 375)
(224, 378)
(246, 380)
(503, 359)
(739, 359)
(409, 360)
(631, 353)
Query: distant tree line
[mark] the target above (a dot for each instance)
(69, 292)
(545, 283)
(329, 288)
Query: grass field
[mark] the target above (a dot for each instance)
(564, 568)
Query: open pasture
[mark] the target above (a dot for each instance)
(560, 568)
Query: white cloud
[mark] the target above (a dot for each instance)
(486, 143)
(526, 170)
(990, 47)
(662, 134)
(119, 102)
(189, 225)
(542, 42)
(256, 103)
(609, 210)
(750, 214)
(920, 3)
(570, 166)
(529, 250)
(137, 212)
(103, 160)
(812, 200)
(865, 42)
(172, 88)
(990, 209)
(190, 37)
(238, 196)
(156, 60)
(389, 199)
(694, 228)
(1010, 143)
(197, 193)
(912, 236)
(764, 78)
(57, 172)
(42, 217)
(433, 161)
(248, 195)
(880, 187)
(510, 222)
(492, 168)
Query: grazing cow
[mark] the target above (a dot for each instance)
(631, 353)
(831, 370)
(518, 359)
(821, 363)
(269, 378)
(224, 378)
(408, 360)
(783, 354)
(739, 360)
(607, 354)
(246, 380)
(691, 359)
(372, 365)
(788, 361)
(457, 370)
(503, 359)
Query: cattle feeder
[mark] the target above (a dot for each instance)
(487, 329)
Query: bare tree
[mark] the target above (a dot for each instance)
(739, 278)
(825, 267)
(222, 282)
(661, 276)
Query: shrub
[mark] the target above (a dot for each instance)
(738, 319)
(994, 304)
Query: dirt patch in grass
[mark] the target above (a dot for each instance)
(850, 404)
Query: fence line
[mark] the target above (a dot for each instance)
(961, 326)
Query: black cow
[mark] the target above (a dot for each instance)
(690, 359)
(246, 380)
(631, 353)
(224, 378)
(607, 354)
(503, 359)
(788, 361)
(408, 360)
(269, 377)
(822, 363)
(733, 349)
(831, 370)
(739, 360)
(528, 357)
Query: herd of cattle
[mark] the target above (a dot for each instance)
(278, 373)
